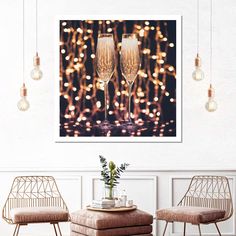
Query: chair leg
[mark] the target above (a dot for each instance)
(165, 228)
(59, 229)
(15, 231)
(55, 229)
(199, 229)
(18, 230)
(218, 229)
(184, 228)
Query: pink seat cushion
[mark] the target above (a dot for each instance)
(72, 233)
(107, 220)
(194, 215)
(121, 231)
(38, 214)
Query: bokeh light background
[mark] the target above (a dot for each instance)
(153, 106)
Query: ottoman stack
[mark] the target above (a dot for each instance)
(96, 223)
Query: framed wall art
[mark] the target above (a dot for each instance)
(118, 79)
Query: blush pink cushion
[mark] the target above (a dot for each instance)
(121, 231)
(38, 214)
(107, 220)
(194, 215)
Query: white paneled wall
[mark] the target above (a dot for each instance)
(149, 189)
(27, 139)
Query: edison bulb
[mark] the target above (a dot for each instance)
(198, 74)
(36, 73)
(211, 105)
(23, 104)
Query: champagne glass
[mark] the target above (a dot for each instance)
(130, 63)
(105, 66)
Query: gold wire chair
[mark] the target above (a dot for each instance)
(207, 192)
(35, 192)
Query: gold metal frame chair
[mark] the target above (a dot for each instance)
(210, 192)
(33, 191)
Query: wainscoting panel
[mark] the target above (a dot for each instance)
(142, 189)
(71, 190)
(149, 189)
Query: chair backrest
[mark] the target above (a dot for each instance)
(33, 191)
(209, 191)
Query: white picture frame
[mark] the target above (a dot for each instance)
(165, 139)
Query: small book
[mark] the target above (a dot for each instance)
(104, 203)
(101, 206)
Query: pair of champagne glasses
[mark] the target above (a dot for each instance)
(105, 67)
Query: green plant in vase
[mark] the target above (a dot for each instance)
(110, 174)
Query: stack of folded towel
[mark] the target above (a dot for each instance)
(104, 203)
(97, 223)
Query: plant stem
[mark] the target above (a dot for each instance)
(110, 192)
(111, 185)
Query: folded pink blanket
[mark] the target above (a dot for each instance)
(122, 231)
(78, 234)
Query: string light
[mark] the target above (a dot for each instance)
(150, 87)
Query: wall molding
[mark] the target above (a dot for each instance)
(97, 169)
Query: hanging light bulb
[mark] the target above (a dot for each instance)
(198, 74)
(36, 73)
(211, 104)
(23, 104)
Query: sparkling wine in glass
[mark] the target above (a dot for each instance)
(105, 66)
(130, 64)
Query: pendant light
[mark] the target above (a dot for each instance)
(23, 104)
(211, 104)
(36, 73)
(198, 73)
